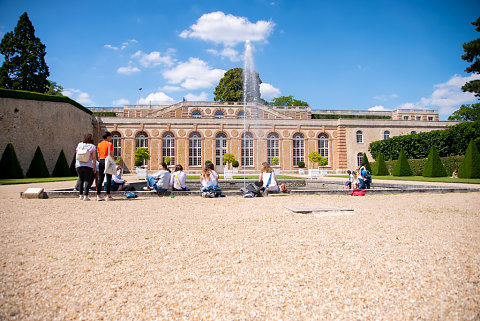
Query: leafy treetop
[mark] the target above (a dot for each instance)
(472, 54)
(466, 112)
(24, 67)
(230, 87)
(287, 101)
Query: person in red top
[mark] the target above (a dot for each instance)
(104, 149)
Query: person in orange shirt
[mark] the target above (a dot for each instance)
(104, 149)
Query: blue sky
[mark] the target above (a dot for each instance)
(332, 54)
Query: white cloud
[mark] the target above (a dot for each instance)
(229, 53)
(268, 91)
(127, 70)
(448, 96)
(153, 59)
(123, 46)
(385, 97)
(228, 29)
(120, 102)
(192, 97)
(158, 98)
(79, 96)
(171, 88)
(378, 108)
(194, 74)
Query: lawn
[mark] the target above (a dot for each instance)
(10, 181)
(426, 179)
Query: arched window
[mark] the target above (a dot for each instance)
(219, 114)
(298, 149)
(241, 114)
(141, 140)
(197, 114)
(359, 159)
(195, 149)
(220, 148)
(386, 134)
(168, 147)
(323, 145)
(272, 147)
(359, 137)
(117, 144)
(247, 150)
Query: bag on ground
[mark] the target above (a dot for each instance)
(358, 192)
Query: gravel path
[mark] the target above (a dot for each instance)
(413, 256)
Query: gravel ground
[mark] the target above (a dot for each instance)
(398, 257)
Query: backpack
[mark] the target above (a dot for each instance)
(250, 191)
(83, 154)
(129, 194)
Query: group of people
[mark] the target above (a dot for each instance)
(358, 179)
(90, 168)
(162, 180)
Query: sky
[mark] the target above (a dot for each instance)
(349, 55)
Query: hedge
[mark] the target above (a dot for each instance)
(448, 142)
(470, 167)
(37, 167)
(402, 167)
(451, 163)
(61, 166)
(333, 116)
(380, 167)
(28, 95)
(105, 113)
(9, 165)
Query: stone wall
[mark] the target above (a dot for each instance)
(51, 125)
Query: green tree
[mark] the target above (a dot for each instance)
(230, 87)
(9, 165)
(287, 101)
(37, 167)
(434, 166)
(402, 167)
(380, 167)
(142, 154)
(61, 166)
(275, 161)
(54, 89)
(472, 54)
(228, 158)
(24, 67)
(470, 167)
(366, 162)
(466, 112)
(315, 157)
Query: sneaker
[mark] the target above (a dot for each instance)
(81, 197)
(109, 198)
(147, 188)
(85, 198)
(99, 198)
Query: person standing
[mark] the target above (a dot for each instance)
(85, 167)
(104, 149)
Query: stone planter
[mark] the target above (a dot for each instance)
(141, 172)
(277, 171)
(235, 170)
(301, 171)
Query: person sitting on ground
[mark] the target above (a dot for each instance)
(160, 181)
(118, 184)
(178, 179)
(268, 178)
(209, 181)
(455, 174)
(348, 183)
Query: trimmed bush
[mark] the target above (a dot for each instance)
(380, 167)
(235, 164)
(61, 166)
(301, 164)
(367, 163)
(73, 170)
(433, 166)
(9, 165)
(470, 167)
(451, 163)
(402, 167)
(37, 168)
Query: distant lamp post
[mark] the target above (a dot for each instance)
(139, 93)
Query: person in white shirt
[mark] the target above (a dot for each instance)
(178, 179)
(209, 181)
(160, 181)
(85, 167)
(268, 178)
(118, 184)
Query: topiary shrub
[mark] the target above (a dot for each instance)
(9, 165)
(37, 167)
(434, 166)
(402, 167)
(61, 166)
(235, 164)
(73, 170)
(301, 164)
(367, 164)
(470, 167)
(380, 167)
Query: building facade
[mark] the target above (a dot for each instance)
(194, 132)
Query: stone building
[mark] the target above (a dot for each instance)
(194, 132)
